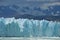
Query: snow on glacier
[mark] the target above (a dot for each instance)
(29, 28)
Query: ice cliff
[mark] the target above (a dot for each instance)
(28, 28)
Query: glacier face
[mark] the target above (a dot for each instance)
(11, 27)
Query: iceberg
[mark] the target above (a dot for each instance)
(11, 27)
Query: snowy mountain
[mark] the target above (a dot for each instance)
(44, 9)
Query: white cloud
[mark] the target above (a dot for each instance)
(46, 5)
(43, 0)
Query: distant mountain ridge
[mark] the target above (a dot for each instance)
(36, 12)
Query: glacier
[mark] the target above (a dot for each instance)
(11, 27)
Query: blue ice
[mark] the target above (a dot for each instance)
(28, 28)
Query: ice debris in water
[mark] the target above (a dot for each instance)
(29, 28)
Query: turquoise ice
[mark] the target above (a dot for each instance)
(28, 28)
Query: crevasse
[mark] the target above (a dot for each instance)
(11, 27)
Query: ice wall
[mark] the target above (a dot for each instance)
(29, 28)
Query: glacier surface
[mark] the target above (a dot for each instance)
(11, 27)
